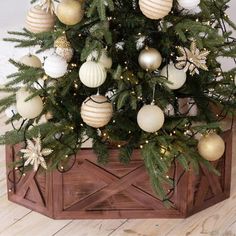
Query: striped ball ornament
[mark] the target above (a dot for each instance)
(96, 111)
(39, 20)
(155, 9)
(92, 74)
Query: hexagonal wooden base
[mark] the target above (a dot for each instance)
(91, 191)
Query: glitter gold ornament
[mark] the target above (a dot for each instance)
(70, 12)
(150, 59)
(39, 20)
(155, 9)
(192, 59)
(96, 111)
(63, 48)
(31, 60)
(211, 147)
(150, 118)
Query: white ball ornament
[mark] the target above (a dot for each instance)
(55, 66)
(150, 59)
(39, 20)
(150, 118)
(92, 74)
(28, 109)
(103, 58)
(31, 60)
(176, 77)
(155, 9)
(211, 147)
(96, 111)
(189, 4)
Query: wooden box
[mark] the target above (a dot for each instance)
(91, 191)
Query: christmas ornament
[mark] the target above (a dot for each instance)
(192, 59)
(92, 74)
(150, 59)
(211, 147)
(63, 48)
(28, 109)
(47, 5)
(31, 60)
(55, 66)
(96, 111)
(150, 118)
(10, 111)
(102, 58)
(70, 12)
(176, 77)
(188, 4)
(34, 154)
(39, 20)
(155, 9)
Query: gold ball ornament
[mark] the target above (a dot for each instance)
(29, 109)
(31, 60)
(96, 111)
(211, 147)
(39, 20)
(92, 74)
(150, 118)
(155, 9)
(63, 48)
(150, 59)
(70, 12)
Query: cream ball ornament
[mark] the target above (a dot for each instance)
(55, 66)
(28, 109)
(188, 4)
(31, 60)
(155, 9)
(70, 12)
(96, 111)
(150, 59)
(177, 78)
(211, 147)
(103, 58)
(63, 48)
(92, 74)
(39, 20)
(150, 118)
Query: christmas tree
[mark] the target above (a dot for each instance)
(127, 75)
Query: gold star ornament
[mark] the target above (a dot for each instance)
(34, 154)
(192, 59)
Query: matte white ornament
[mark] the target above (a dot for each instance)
(176, 77)
(103, 59)
(31, 60)
(155, 9)
(10, 111)
(92, 74)
(188, 4)
(55, 66)
(150, 118)
(29, 109)
(96, 111)
(39, 20)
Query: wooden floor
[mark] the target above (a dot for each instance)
(219, 220)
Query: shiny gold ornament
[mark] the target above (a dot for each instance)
(192, 59)
(39, 20)
(96, 111)
(211, 147)
(150, 59)
(155, 9)
(63, 48)
(70, 12)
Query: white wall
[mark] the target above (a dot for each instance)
(12, 17)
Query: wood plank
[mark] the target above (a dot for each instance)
(91, 228)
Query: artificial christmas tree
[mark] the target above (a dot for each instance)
(141, 59)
